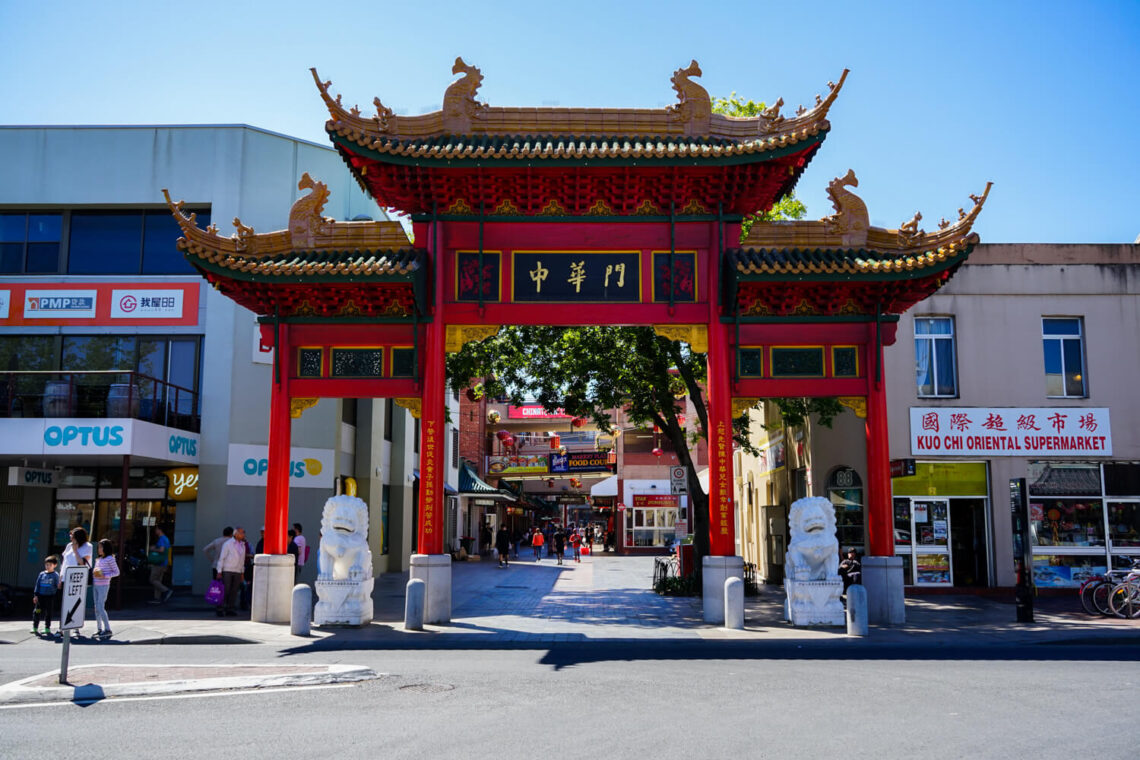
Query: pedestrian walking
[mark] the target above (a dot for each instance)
(159, 559)
(105, 569)
(503, 544)
(43, 595)
(302, 550)
(559, 543)
(229, 569)
(576, 545)
(536, 541)
(213, 549)
(516, 539)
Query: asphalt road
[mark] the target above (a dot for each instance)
(690, 699)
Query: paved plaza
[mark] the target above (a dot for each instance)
(603, 598)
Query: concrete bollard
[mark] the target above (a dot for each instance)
(414, 605)
(301, 613)
(734, 603)
(856, 610)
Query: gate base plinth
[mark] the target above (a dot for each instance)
(883, 579)
(435, 571)
(272, 600)
(714, 572)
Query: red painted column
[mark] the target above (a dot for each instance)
(280, 435)
(722, 538)
(432, 410)
(880, 519)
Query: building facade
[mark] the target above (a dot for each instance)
(1020, 367)
(105, 326)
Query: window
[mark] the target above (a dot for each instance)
(29, 243)
(935, 370)
(1063, 339)
(455, 447)
(82, 241)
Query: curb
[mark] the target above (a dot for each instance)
(17, 693)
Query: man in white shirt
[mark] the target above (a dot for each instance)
(231, 568)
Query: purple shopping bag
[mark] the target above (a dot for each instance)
(215, 593)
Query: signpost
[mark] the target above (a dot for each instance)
(72, 611)
(678, 480)
(1022, 551)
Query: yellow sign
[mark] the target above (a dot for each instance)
(182, 484)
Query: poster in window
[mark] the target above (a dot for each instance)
(940, 530)
(920, 512)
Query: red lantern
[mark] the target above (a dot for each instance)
(509, 442)
(555, 442)
(681, 420)
(657, 452)
(503, 434)
(578, 422)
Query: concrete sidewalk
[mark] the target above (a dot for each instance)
(604, 598)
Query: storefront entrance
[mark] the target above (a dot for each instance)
(102, 518)
(942, 542)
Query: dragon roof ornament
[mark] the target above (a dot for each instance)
(462, 114)
(308, 233)
(848, 229)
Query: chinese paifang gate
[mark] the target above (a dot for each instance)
(508, 206)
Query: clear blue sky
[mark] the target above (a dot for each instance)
(1040, 97)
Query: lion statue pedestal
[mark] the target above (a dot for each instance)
(812, 565)
(344, 564)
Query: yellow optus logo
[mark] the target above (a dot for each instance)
(313, 466)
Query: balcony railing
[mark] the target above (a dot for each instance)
(104, 394)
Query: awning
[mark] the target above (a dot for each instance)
(471, 484)
(607, 487)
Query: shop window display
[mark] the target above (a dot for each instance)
(1124, 523)
(1065, 571)
(1067, 522)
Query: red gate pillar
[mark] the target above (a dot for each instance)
(880, 520)
(722, 562)
(432, 565)
(273, 571)
(722, 539)
(280, 437)
(882, 570)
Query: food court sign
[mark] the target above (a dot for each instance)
(1010, 431)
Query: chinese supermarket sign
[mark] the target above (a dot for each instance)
(1010, 431)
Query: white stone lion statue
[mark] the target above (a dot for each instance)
(344, 553)
(813, 552)
(812, 564)
(344, 564)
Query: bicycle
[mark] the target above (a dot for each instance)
(1124, 599)
(1095, 593)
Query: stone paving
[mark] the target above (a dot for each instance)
(603, 598)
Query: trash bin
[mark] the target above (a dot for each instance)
(685, 560)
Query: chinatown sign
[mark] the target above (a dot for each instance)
(1010, 431)
(534, 412)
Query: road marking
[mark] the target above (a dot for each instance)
(194, 695)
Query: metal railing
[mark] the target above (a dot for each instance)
(99, 394)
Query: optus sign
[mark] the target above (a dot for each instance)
(83, 436)
(308, 468)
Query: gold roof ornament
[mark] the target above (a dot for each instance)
(309, 232)
(845, 243)
(604, 132)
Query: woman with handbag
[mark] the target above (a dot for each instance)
(105, 569)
